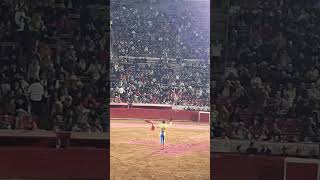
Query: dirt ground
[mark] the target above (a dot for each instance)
(136, 153)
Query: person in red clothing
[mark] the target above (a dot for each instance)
(27, 123)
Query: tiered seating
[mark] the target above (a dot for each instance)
(59, 52)
(272, 71)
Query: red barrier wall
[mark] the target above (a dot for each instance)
(152, 107)
(51, 163)
(298, 171)
(50, 142)
(204, 117)
(226, 166)
(243, 167)
(137, 113)
(139, 105)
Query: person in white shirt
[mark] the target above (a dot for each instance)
(36, 91)
(121, 90)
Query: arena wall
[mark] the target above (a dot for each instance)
(67, 163)
(140, 105)
(226, 166)
(243, 167)
(140, 113)
(204, 117)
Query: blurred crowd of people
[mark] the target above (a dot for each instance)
(54, 65)
(178, 82)
(271, 87)
(172, 33)
(171, 30)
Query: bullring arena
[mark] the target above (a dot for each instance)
(135, 151)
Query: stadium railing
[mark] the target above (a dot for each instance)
(137, 111)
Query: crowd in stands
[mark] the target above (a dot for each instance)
(170, 33)
(54, 65)
(170, 30)
(270, 90)
(181, 82)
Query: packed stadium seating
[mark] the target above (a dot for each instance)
(154, 30)
(270, 90)
(161, 82)
(54, 64)
(160, 53)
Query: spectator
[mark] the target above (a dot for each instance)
(34, 71)
(20, 17)
(262, 150)
(36, 92)
(273, 72)
(68, 113)
(27, 123)
(214, 114)
(251, 150)
(40, 71)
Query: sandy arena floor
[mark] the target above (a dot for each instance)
(136, 153)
